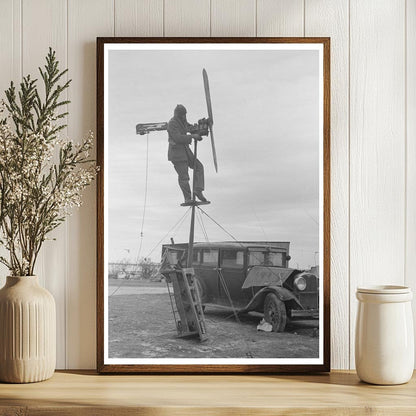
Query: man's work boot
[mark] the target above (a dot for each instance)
(188, 201)
(200, 196)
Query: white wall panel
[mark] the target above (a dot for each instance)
(233, 18)
(377, 146)
(138, 17)
(187, 18)
(10, 64)
(87, 19)
(330, 18)
(44, 24)
(10, 43)
(411, 148)
(280, 18)
(373, 131)
(6, 45)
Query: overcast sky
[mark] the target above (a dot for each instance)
(266, 125)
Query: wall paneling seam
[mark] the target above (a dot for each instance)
(210, 18)
(67, 230)
(405, 145)
(21, 39)
(304, 18)
(349, 185)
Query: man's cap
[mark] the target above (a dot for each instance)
(180, 109)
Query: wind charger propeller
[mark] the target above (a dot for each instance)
(210, 117)
(203, 127)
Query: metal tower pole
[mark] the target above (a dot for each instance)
(192, 228)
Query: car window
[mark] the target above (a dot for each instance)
(196, 257)
(265, 258)
(173, 257)
(210, 257)
(232, 258)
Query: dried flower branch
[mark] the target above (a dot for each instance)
(41, 176)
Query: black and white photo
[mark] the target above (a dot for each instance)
(213, 205)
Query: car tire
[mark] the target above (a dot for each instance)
(275, 312)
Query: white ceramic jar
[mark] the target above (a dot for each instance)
(384, 338)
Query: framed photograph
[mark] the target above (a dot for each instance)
(213, 205)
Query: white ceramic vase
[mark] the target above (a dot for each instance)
(384, 341)
(27, 331)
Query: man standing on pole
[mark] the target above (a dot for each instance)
(182, 157)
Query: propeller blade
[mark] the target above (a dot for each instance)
(207, 94)
(214, 152)
(211, 118)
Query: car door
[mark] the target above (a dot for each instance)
(232, 272)
(207, 272)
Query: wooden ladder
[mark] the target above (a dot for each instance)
(186, 303)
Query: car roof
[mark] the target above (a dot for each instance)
(235, 244)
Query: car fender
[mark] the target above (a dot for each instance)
(282, 293)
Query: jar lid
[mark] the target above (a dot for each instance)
(384, 289)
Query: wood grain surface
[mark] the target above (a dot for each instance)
(85, 19)
(281, 18)
(187, 18)
(331, 17)
(233, 18)
(138, 18)
(377, 148)
(37, 38)
(410, 260)
(84, 393)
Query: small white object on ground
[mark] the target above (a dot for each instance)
(264, 326)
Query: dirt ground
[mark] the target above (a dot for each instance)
(141, 325)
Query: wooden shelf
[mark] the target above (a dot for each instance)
(85, 393)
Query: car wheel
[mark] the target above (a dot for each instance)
(275, 312)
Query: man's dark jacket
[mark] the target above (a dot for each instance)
(179, 141)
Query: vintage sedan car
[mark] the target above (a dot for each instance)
(252, 276)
